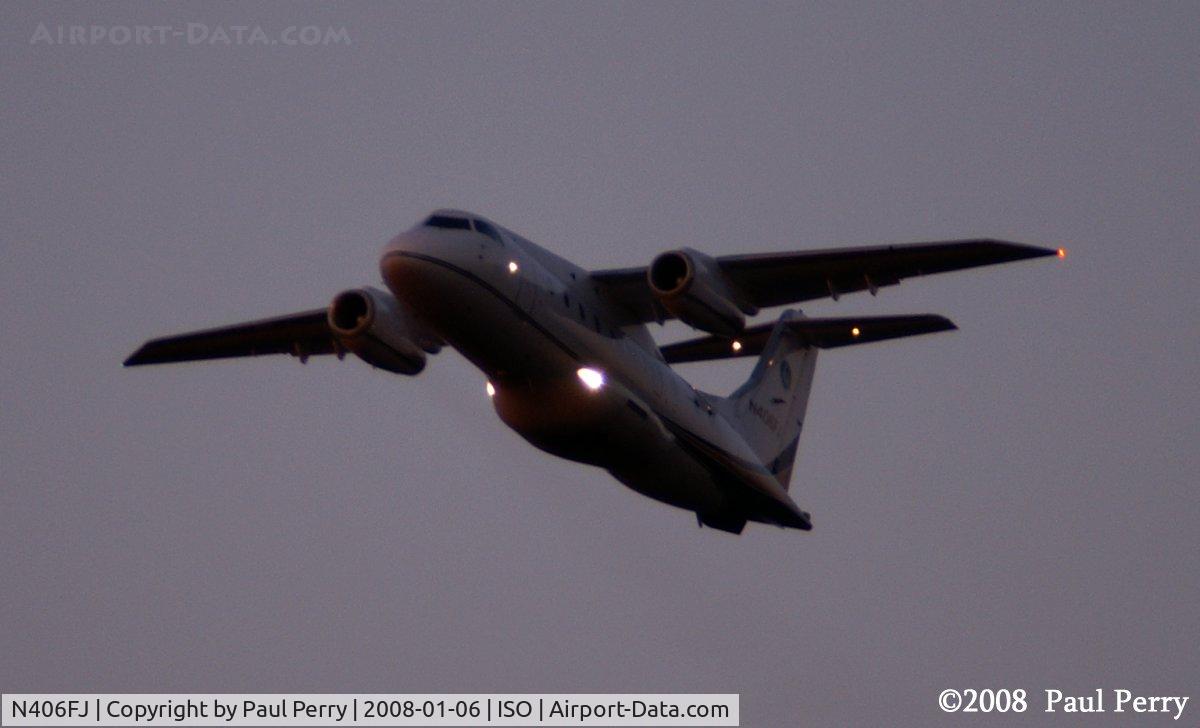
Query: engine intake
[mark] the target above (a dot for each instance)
(669, 273)
(691, 286)
(369, 323)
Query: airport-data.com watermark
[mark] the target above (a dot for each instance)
(189, 34)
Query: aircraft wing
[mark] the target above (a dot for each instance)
(823, 333)
(775, 279)
(298, 334)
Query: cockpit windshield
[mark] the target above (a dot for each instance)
(448, 222)
(485, 227)
(454, 222)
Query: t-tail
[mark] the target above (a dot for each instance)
(769, 408)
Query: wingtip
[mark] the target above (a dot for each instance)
(1040, 251)
(941, 323)
(1027, 250)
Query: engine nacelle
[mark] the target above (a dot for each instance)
(379, 331)
(690, 285)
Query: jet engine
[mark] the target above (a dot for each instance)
(691, 285)
(374, 326)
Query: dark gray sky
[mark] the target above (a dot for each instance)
(1011, 505)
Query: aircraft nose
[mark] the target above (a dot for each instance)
(402, 242)
(401, 250)
(413, 255)
(393, 259)
(410, 269)
(408, 261)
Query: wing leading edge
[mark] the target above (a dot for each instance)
(776, 279)
(299, 334)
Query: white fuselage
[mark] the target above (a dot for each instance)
(530, 321)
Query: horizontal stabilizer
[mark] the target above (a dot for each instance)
(823, 333)
(299, 334)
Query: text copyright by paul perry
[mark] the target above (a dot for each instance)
(443, 709)
(1053, 700)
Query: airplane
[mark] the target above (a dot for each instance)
(571, 366)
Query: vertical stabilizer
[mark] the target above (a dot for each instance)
(769, 408)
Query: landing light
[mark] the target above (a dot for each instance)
(513, 267)
(490, 389)
(737, 345)
(854, 331)
(591, 378)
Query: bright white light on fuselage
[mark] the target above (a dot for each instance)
(490, 389)
(737, 345)
(591, 378)
(513, 267)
